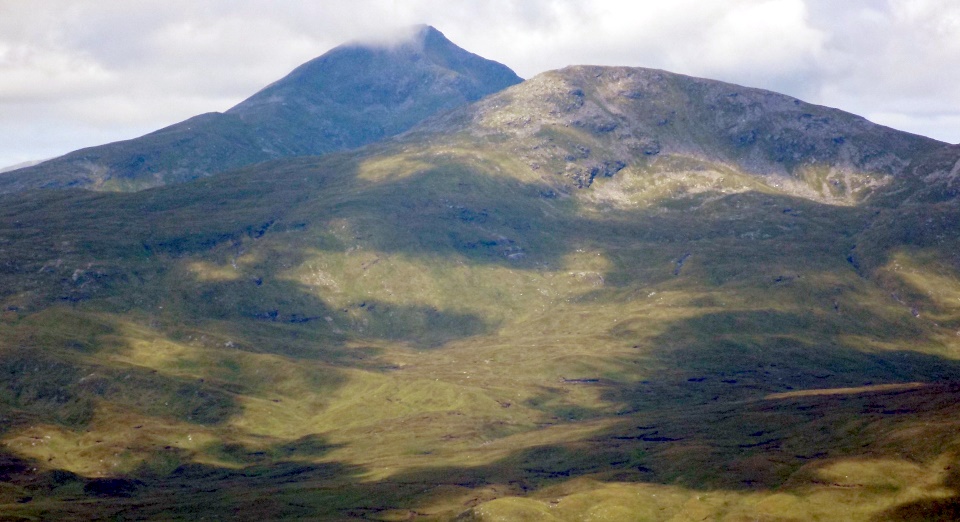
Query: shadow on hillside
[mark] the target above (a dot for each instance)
(943, 509)
(742, 352)
(787, 445)
(703, 423)
(447, 209)
(58, 389)
(271, 315)
(188, 492)
(742, 407)
(711, 423)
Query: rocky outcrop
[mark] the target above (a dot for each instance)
(586, 122)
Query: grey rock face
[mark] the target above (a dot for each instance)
(583, 122)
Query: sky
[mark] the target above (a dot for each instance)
(82, 73)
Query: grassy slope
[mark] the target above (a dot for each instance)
(441, 330)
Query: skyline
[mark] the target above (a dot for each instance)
(74, 75)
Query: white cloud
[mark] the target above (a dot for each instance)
(35, 73)
(898, 63)
(765, 42)
(74, 72)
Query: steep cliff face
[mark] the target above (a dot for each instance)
(353, 95)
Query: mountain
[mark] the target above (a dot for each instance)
(353, 95)
(583, 122)
(606, 293)
(18, 166)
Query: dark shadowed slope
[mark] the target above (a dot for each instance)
(353, 95)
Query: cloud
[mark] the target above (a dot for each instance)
(897, 63)
(35, 73)
(75, 74)
(770, 42)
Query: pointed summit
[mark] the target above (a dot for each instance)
(415, 36)
(353, 95)
(362, 92)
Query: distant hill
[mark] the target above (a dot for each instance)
(23, 165)
(353, 95)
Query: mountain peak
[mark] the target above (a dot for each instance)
(411, 36)
(354, 94)
(412, 74)
(430, 36)
(410, 50)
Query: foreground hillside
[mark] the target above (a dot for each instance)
(545, 306)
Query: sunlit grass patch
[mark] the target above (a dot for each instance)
(211, 272)
(115, 441)
(926, 285)
(391, 168)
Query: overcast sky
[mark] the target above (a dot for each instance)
(80, 73)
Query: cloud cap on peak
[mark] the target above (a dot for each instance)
(417, 35)
(350, 96)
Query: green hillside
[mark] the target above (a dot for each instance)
(544, 306)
